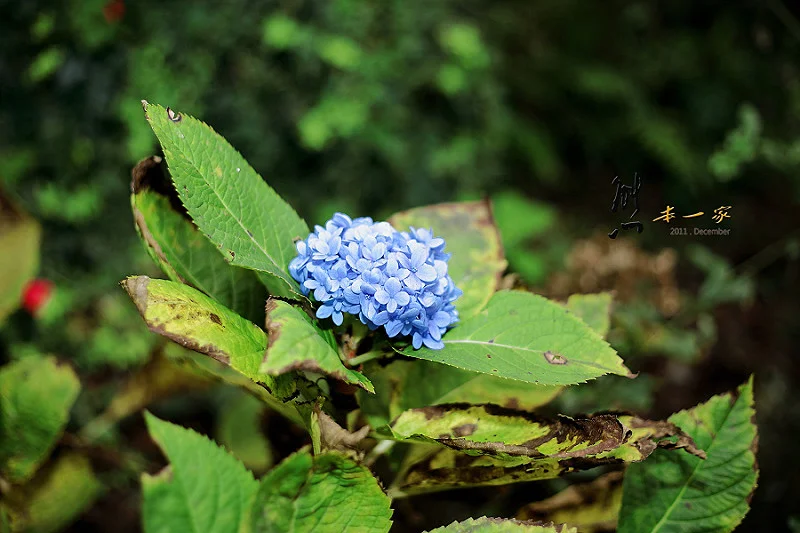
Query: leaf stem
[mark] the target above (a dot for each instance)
(364, 357)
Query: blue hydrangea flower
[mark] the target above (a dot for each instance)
(390, 279)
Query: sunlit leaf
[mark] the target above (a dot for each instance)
(19, 238)
(195, 321)
(185, 254)
(244, 217)
(526, 337)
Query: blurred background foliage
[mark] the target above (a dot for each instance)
(372, 107)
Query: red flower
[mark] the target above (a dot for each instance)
(36, 294)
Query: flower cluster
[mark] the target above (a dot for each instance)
(387, 278)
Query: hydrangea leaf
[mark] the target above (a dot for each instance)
(57, 495)
(502, 525)
(526, 337)
(403, 385)
(590, 506)
(490, 445)
(296, 343)
(19, 238)
(327, 492)
(477, 261)
(195, 321)
(36, 395)
(186, 255)
(679, 492)
(244, 217)
(204, 490)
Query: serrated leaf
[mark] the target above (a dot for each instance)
(36, 395)
(204, 490)
(403, 385)
(502, 525)
(296, 343)
(590, 506)
(477, 260)
(324, 493)
(681, 493)
(526, 337)
(244, 217)
(489, 445)
(19, 238)
(57, 495)
(187, 256)
(195, 321)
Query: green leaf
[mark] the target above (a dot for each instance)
(490, 445)
(477, 261)
(296, 343)
(36, 398)
(242, 215)
(19, 238)
(324, 493)
(502, 525)
(195, 321)
(399, 389)
(526, 337)
(186, 255)
(58, 494)
(204, 490)
(680, 492)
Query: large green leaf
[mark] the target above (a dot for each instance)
(204, 490)
(502, 525)
(296, 343)
(327, 493)
(489, 445)
(526, 337)
(36, 395)
(57, 495)
(242, 215)
(195, 321)
(681, 493)
(405, 384)
(477, 261)
(186, 255)
(19, 238)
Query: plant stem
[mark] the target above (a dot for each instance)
(364, 357)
